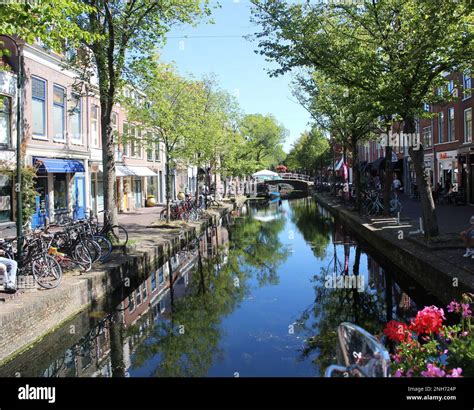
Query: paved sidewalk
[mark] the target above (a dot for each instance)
(135, 221)
(451, 218)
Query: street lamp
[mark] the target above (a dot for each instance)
(18, 185)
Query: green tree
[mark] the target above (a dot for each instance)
(395, 50)
(309, 153)
(124, 31)
(348, 114)
(171, 114)
(264, 137)
(51, 21)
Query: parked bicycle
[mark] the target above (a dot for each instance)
(116, 234)
(34, 260)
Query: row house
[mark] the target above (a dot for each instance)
(61, 128)
(446, 139)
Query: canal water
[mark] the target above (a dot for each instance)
(260, 294)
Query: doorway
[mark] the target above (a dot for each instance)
(137, 191)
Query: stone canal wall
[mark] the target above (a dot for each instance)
(32, 315)
(431, 268)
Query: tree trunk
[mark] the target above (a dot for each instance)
(388, 180)
(225, 187)
(428, 209)
(356, 169)
(108, 161)
(168, 189)
(197, 183)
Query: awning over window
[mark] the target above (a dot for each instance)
(123, 171)
(142, 171)
(55, 165)
(130, 171)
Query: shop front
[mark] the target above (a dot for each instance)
(132, 186)
(465, 170)
(61, 189)
(447, 169)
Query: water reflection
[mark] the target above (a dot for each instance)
(260, 294)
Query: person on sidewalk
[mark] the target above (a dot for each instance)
(467, 237)
(396, 185)
(8, 268)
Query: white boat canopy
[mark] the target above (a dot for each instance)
(264, 173)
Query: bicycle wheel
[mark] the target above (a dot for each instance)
(47, 272)
(82, 255)
(94, 249)
(105, 247)
(118, 235)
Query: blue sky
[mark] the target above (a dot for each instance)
(219, 48)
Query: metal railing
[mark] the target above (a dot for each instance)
(291, 175)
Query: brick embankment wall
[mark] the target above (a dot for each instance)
(430, 268)
(36, 313)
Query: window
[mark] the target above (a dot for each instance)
(133, 131)
(95, 126)
(157, 151)
(144, 291)
(468, 125)
(59, 97)
(450, 86)
(427, 141)
(76, 119)
(39, 106)
(114, 121)
(138, 296)
(440, 127)
(149, 154)
(125, 139)
(5, 121)
(450, 124)
(153, 281)
(138, 147)
(466, 84)
(60, 192)
(161, 277)
(131, 303)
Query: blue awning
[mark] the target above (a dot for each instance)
(58, 165)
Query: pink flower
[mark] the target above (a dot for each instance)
(466, 311)
(409, 373)
(427, 321)
(398, 373)
(455, 372)
(433, 371)
(454, 307)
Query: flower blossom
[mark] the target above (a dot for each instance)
(396, 331)
(466, 311)
(428, 321)
(454, 307)
(455, 372)
(433, 371)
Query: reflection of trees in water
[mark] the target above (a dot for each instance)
(314, 223)
(318, 323)
(258, 247)
(187, 343)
